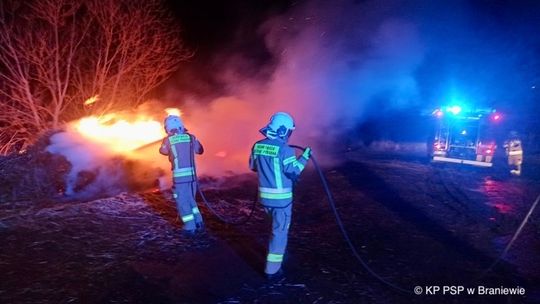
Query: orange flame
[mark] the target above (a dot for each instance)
(137, 136)
(119, 134)
(91, 100)
(173, 111)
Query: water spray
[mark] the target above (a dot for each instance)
(148, 145)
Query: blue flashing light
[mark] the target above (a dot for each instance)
(454, 109)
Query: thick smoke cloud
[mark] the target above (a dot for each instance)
(88, 160)
(339, 64)
(335, 65)
(335, 62)
(339, 60)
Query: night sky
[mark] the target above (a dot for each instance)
(218, 29)
(390, 55)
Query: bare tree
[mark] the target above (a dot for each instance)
(55, 54)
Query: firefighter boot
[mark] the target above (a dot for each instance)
(182, 196)
(275, 276)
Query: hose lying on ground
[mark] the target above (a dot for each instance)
(207, 204)
(514, 237)
(342, 227)
(332, 205)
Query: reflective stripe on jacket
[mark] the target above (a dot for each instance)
(513, 147)
(277, 167)
(178, 148)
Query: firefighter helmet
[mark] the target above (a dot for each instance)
(172, 123)
(281, 125)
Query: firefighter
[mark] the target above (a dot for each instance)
(278, 168)
(514, 152)
(180, 146)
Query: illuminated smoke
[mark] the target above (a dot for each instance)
(333, 65)
(337, 62)
(108, 154)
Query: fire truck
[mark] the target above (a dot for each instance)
(464, 136)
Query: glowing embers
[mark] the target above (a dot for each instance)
(118, 134)
(221, 154)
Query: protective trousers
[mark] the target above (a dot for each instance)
(184, 195)
(281, 220)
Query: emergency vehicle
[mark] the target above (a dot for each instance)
(464, 136)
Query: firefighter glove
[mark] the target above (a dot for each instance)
(307, 153)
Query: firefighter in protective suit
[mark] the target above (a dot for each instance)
(278, 168)
(180, 146)
(514, 152)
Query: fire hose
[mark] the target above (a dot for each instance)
(332, 206)
(220, 217)
(514, 237)
(366, 266)
(207, 204)
(342, 227)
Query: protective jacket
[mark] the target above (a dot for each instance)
(514, 151)
(278, 168)
(514, 148)
(180, 149)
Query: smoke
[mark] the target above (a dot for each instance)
(334, 64)
(331, 64)
(110, 164)
(340, 61)
(349, 68)
(91, 164)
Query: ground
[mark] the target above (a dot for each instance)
(413, 223)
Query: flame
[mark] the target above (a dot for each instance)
(136, 135)
(91, 100)
(119, 134)
(173, 111)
